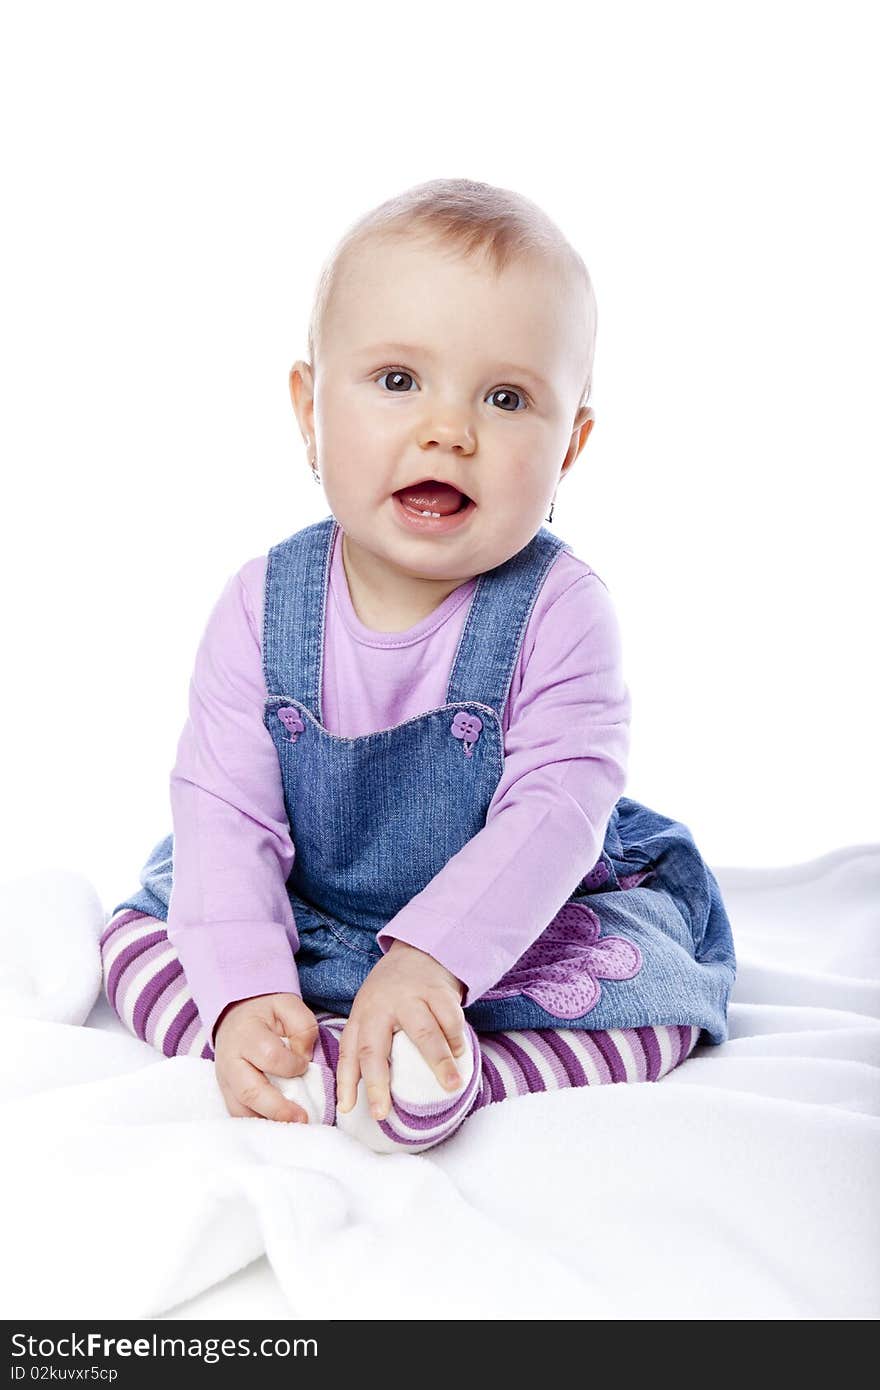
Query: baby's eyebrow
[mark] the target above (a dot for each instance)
(410, 350)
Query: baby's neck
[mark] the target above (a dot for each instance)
(386, 601)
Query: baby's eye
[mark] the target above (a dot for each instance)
(396, 374)
(508, 392)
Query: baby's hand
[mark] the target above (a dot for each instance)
(247, 1044)
(406, 990)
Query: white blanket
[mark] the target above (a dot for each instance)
(743, 1185)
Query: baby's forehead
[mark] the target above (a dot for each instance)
(373, 307)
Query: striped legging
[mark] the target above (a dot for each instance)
(147, 989)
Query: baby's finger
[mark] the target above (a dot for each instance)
(374, 1052)
(348, 1069)
(250, 1088)
(425, 1031)
(273, 1054)
(300, 1029)
(451, 1018)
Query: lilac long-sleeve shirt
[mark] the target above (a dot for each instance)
(566, 745)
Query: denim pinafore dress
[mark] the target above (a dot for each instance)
(644, 939)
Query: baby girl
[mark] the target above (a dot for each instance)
(403, 881)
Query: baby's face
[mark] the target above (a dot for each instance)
(433, 367)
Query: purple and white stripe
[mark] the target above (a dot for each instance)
(146, 987)
(527, 1060)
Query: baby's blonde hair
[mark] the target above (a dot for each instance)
(472, 218)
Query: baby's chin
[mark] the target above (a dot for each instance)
(476, 538)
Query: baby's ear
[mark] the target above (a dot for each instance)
(583, 424)
(301, 382)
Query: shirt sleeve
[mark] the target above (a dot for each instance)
(566, 754)
(229, 915)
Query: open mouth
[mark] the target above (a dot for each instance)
(433, 508)
(433, 499)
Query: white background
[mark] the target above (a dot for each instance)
(173, 177)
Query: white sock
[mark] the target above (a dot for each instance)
(422, 1110)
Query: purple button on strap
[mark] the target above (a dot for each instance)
(291, 721)
(466, 727)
